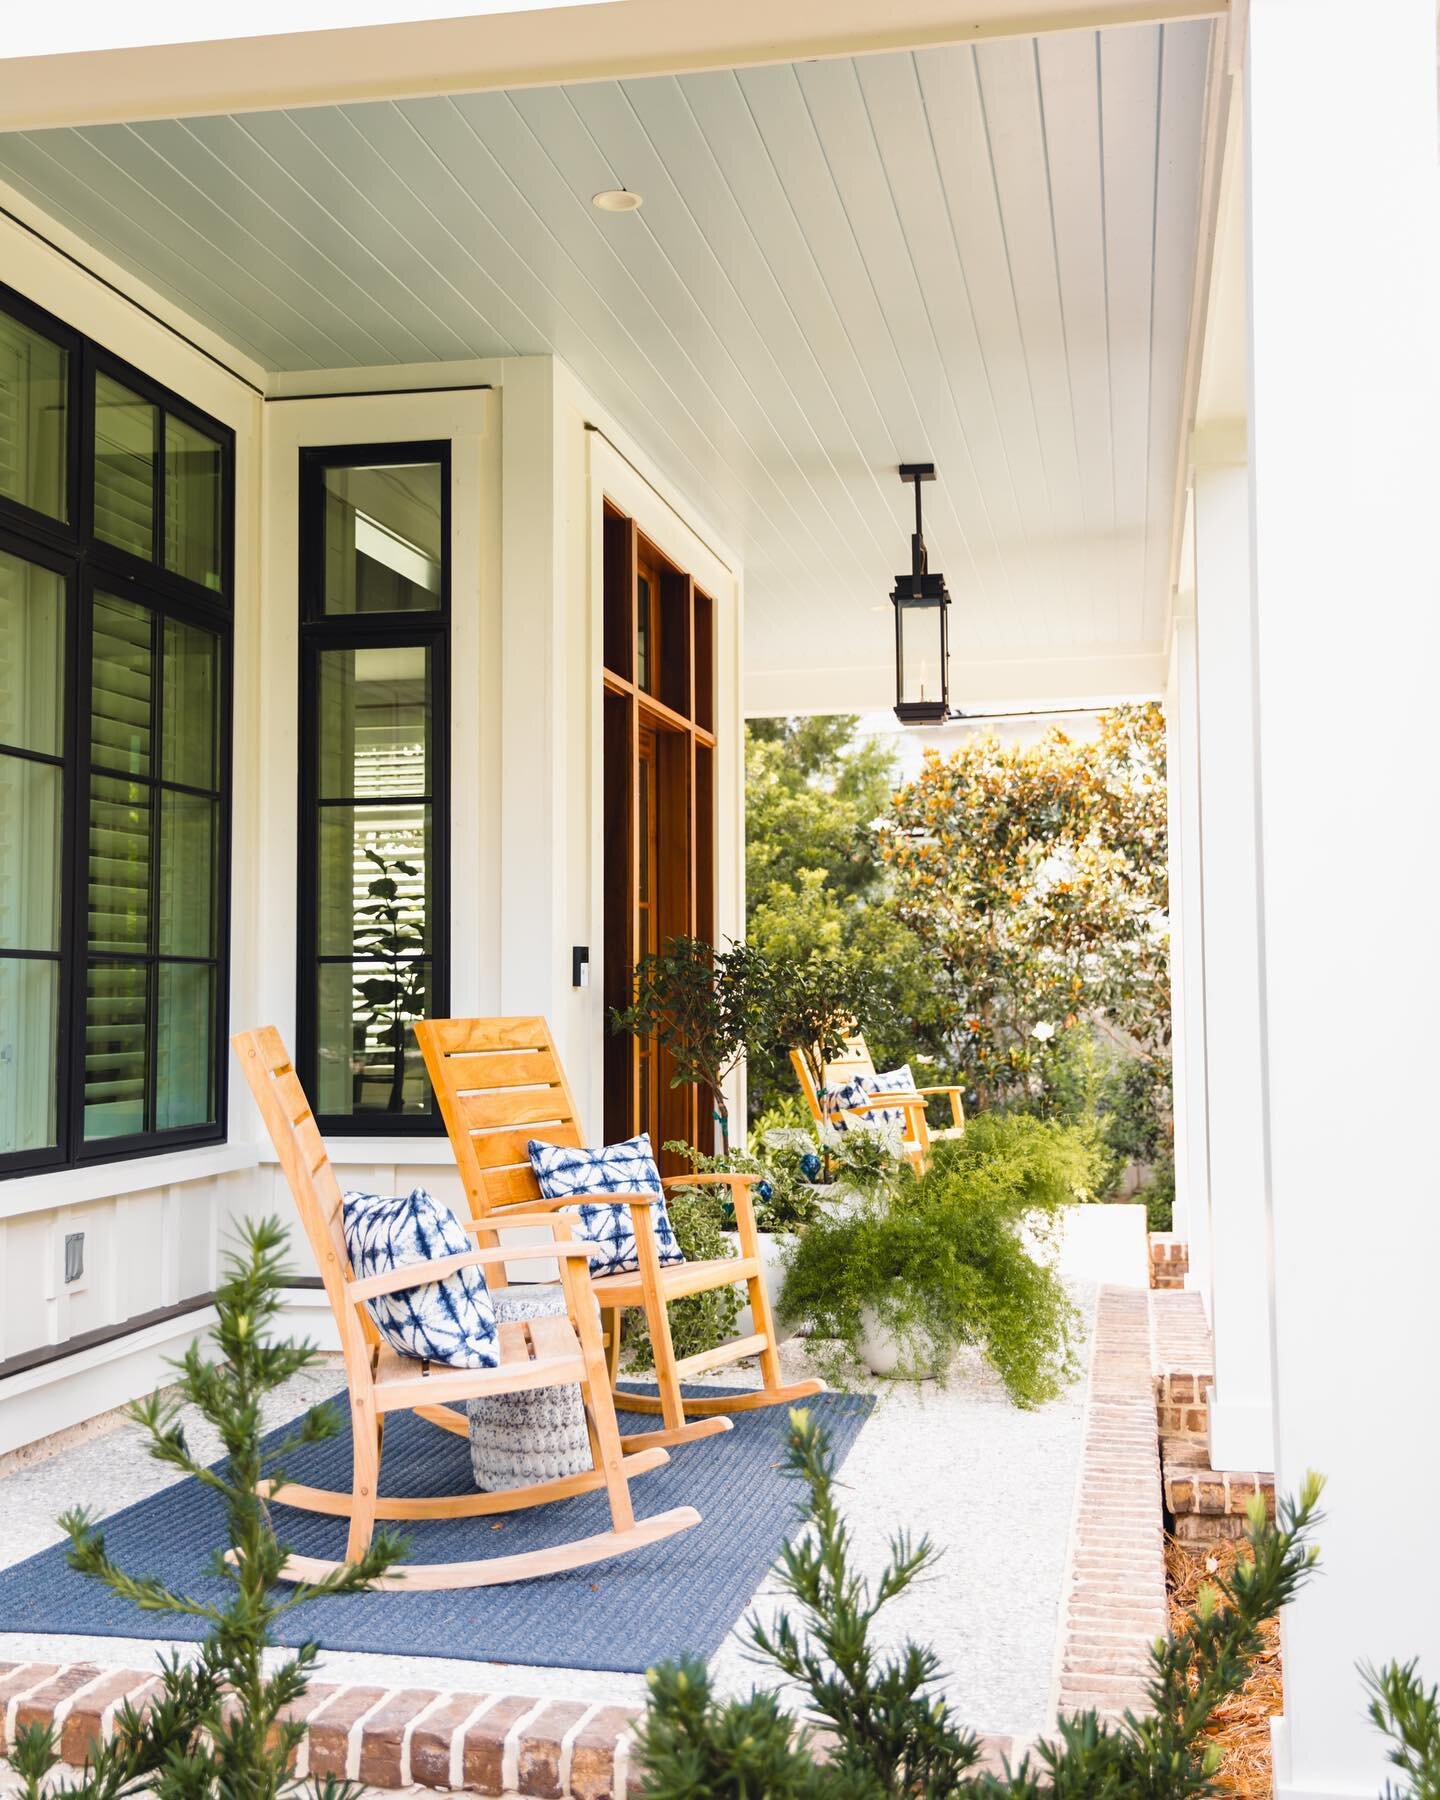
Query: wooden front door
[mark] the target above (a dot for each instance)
(659, 811)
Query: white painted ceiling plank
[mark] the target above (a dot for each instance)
(1129, 72)
(1070, 100)
(1182, 106)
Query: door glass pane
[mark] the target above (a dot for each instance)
(192, 503)
(126, 428)
(120, 687)
(368, 1060)
(32, 656)
(29, 1022)
(643, 659)
(188, 843)
(382, 532)
(190, 706)
(115, 1049)
(374, 722)
(184, 1046)
(373, 895)
(119, 891)
(30, 794)
(34, 410)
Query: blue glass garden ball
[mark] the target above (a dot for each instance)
(764, 1190)
(810, 1166)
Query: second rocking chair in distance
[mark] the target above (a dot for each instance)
(499, 1083)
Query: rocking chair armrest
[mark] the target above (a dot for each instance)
(709, 1180)
(420, 1274)
(878, 1102)
(955, 1088)
(548, 1221)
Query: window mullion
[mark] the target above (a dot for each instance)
(152, 946)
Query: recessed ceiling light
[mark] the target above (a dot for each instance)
(617, 200)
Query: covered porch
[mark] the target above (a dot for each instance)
(499, 411)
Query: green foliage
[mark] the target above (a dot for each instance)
(895, 1737)
(699, 1321)
(791, 1201)
(1036, 881)
(1409, 1714)
(948, 1260)
(216, 1729)
(816, 886)
(813, 1005)
(1159, 1197)
(865, 1159)
(703, 1007)
(389, 931)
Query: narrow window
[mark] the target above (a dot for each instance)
(374, 778)
(115, 532)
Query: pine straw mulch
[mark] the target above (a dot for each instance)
(1242, 1726)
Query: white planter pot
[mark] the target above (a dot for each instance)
(879, 1347)
(775, 1247)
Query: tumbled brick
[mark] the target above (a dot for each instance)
(318, 1694)
(330, 1729)
(592, 1753)
(541, 1743)
(80, 1733)
(431, 1740)
(484, 1761)
(38, 1707)
(382, 1737)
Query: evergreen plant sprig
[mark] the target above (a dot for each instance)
(1409, 1714)
(217, 1727)
(894, 1737)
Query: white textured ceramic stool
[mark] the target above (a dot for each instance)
(538, 1434)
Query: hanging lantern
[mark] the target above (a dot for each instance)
(922, 631)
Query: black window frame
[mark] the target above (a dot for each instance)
(321, 631)
(85, 563)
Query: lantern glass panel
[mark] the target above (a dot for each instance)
(921, 649)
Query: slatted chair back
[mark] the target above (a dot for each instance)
(852, 1062)
(306, 1162)
(499, 1084)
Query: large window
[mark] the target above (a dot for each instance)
(115, 534)
(375, 585)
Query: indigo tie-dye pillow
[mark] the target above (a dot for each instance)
(450, 1321)
(627, 1168)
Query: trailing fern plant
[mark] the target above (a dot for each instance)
(892, 1737)
(217, 1727)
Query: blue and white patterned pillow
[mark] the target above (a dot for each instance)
(865, 1087)
(450, 1321)
(627, 1168)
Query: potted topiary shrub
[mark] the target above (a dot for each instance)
(898, 1282)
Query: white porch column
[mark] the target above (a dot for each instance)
(1241, 1432)
(1187, 948)
(1344, 304)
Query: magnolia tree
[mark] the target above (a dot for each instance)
(1036, 880)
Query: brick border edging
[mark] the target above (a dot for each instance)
(490, 1744)
(1114, 1605)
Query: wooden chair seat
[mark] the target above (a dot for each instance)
(499, 1083)
(534, 1353)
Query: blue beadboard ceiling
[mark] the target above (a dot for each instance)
(982, 255)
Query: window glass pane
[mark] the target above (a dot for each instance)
(190, 705)
(643, 675)
(192, 503)
(33, 419)
(188, 843)
(29, 1026)
(32, 655)
(115, 1049)
(120, 687)
(382, 538)
(119, 893)
(374, 881)
(125, 432)
(368, 1060)
(29, 855)
(185, 1046)
(374, 722)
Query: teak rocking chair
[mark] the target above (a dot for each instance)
(539, 1353)
(854, 1061)
(499, 1084)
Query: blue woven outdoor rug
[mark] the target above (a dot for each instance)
(625, 1614)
